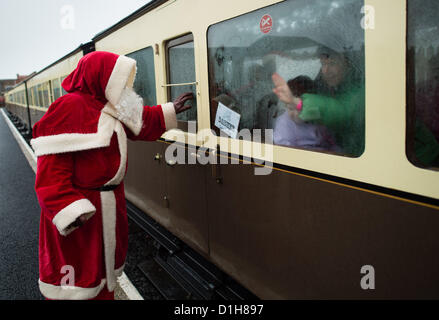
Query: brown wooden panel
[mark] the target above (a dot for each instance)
(186, 191)
(148, 182)
(33, 116)
(288, 236)
(36, 115)
(145, 181)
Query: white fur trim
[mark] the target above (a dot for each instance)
(129, 110)
(51, 291)
(108, 201)
(123, 74)
(70, 213)
(68, 142)
(118, 272)
(169, 115)
(110, 109)
(123, 150)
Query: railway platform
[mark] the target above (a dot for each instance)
(19, 216)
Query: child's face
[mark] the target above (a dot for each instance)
(333, 69)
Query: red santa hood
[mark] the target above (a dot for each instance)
(103, 75)
(86, 117)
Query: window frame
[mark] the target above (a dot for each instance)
(410, 101)
(153, 64)
(185, 38)
(275, 146)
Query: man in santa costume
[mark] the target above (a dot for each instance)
(81, 145)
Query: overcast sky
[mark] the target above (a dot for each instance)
(35, 33)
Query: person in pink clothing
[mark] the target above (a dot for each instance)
(289, 129)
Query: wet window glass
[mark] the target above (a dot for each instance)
(63, 91)
(181, 75)
(144, 85)
(56, 86)
(422, 141)
(296, 68)
(34, 96)
(40, 95)
(46, 94)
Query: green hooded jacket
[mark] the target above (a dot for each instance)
(342, 112)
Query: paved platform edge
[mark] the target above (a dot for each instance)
(124, 284)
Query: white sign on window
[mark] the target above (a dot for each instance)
(227, 120)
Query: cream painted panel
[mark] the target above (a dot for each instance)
(383, 163)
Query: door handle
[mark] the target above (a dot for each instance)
(216, 168)
(157, 157)
(166, 201)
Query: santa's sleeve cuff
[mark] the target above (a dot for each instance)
(64, 218)
(169, 115)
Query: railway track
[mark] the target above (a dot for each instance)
(176, 270)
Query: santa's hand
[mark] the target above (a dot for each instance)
(181, 100)
(79, 221)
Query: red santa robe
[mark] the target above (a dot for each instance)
(81, 145)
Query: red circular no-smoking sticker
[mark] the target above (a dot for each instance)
(266, 23)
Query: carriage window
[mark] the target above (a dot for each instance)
(296, 68)
(31, 96)
(63, 91)
(56, 85)
(422, 141)
(34, 96)
(46, 94)
(144, 85)
(40, 95)
(181, 75)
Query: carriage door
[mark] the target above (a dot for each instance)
(144, 181)
(185, 183)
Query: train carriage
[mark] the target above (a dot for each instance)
(15, 102)
(311, 227)
(348, 211)
(31, 98)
